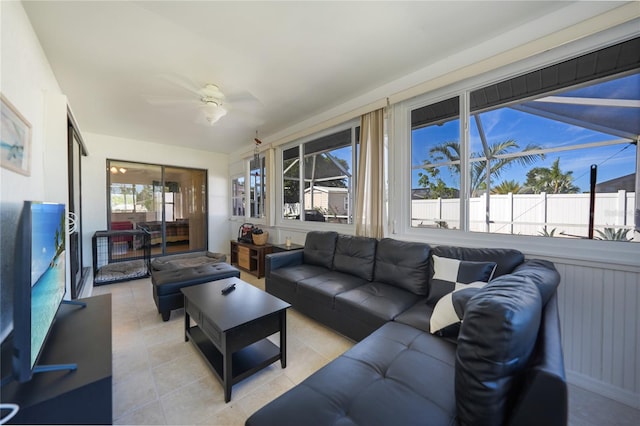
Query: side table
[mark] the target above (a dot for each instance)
(249, 257)
(277, 248)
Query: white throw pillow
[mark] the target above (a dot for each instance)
(449, 311)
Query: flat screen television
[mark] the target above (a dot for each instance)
(40, 277)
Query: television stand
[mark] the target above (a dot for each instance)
(58, 367)
(74, 303)
(82, 396)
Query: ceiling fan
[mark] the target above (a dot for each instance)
(210, 102)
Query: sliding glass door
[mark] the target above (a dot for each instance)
(169, 202)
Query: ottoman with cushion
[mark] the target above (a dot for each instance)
(187, 260)
(167, 283)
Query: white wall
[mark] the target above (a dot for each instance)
(28, 82)
(598, 305)
(94, 182)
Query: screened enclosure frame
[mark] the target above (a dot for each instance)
(308, 152)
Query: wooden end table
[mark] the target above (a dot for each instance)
(231, 329)
(250, 257)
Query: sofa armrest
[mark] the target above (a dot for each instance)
(543, 397)
(275, 261)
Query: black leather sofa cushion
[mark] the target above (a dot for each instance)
(496, 339)
(543, 274)
(283, 283)
(294, 274)
(403, 264)
(418, 316)
(543, 383)
(323, 288)
(319, 248)
(375, 303)
(506, 259)
(355, 256)
(397, 376)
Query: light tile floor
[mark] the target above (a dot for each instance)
(159, 379)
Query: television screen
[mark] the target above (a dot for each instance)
(40, 280)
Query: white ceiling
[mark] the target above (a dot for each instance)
(297, 59)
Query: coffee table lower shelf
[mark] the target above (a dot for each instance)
(244, 362)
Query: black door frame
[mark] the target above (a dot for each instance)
(76, 149)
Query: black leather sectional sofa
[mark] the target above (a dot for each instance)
(498, 360)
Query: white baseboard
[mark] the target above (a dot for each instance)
(605, 389)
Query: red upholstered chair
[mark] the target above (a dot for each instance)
(122, 226)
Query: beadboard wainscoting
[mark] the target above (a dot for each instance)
(600, 320)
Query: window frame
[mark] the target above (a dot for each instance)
(242, 197)
(246, 164)
(161, 200)
(301, 224)
(262, 206)
(609, 252)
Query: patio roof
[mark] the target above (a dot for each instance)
(611, 107)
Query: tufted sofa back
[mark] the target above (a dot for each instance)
(506, 259)
(403, 264)
(319, 248)
(355, 256)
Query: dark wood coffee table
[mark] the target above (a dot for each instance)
(231, 330)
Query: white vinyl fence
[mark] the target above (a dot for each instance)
(528, 214)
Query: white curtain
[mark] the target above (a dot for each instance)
(370, 215)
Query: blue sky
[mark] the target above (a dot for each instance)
(45, 222)
(506, 123)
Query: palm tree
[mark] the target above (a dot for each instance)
(450, 152)
(506, 187)
(550, 180)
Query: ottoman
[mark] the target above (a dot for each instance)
(167, 284)
(186, 260)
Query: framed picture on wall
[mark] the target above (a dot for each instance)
(15, 142)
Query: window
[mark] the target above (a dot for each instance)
(550, 153)
(169, 202)
(291, 183)
(435, 165)
(237, 196)
(325, 166)
(255, 173)
(257, 186)
(124, 197)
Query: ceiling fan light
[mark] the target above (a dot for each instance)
(212, 115)
(210, 102)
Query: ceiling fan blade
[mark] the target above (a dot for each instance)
(243, 97)
(246, 118)
(168, 101)
(183, 82)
